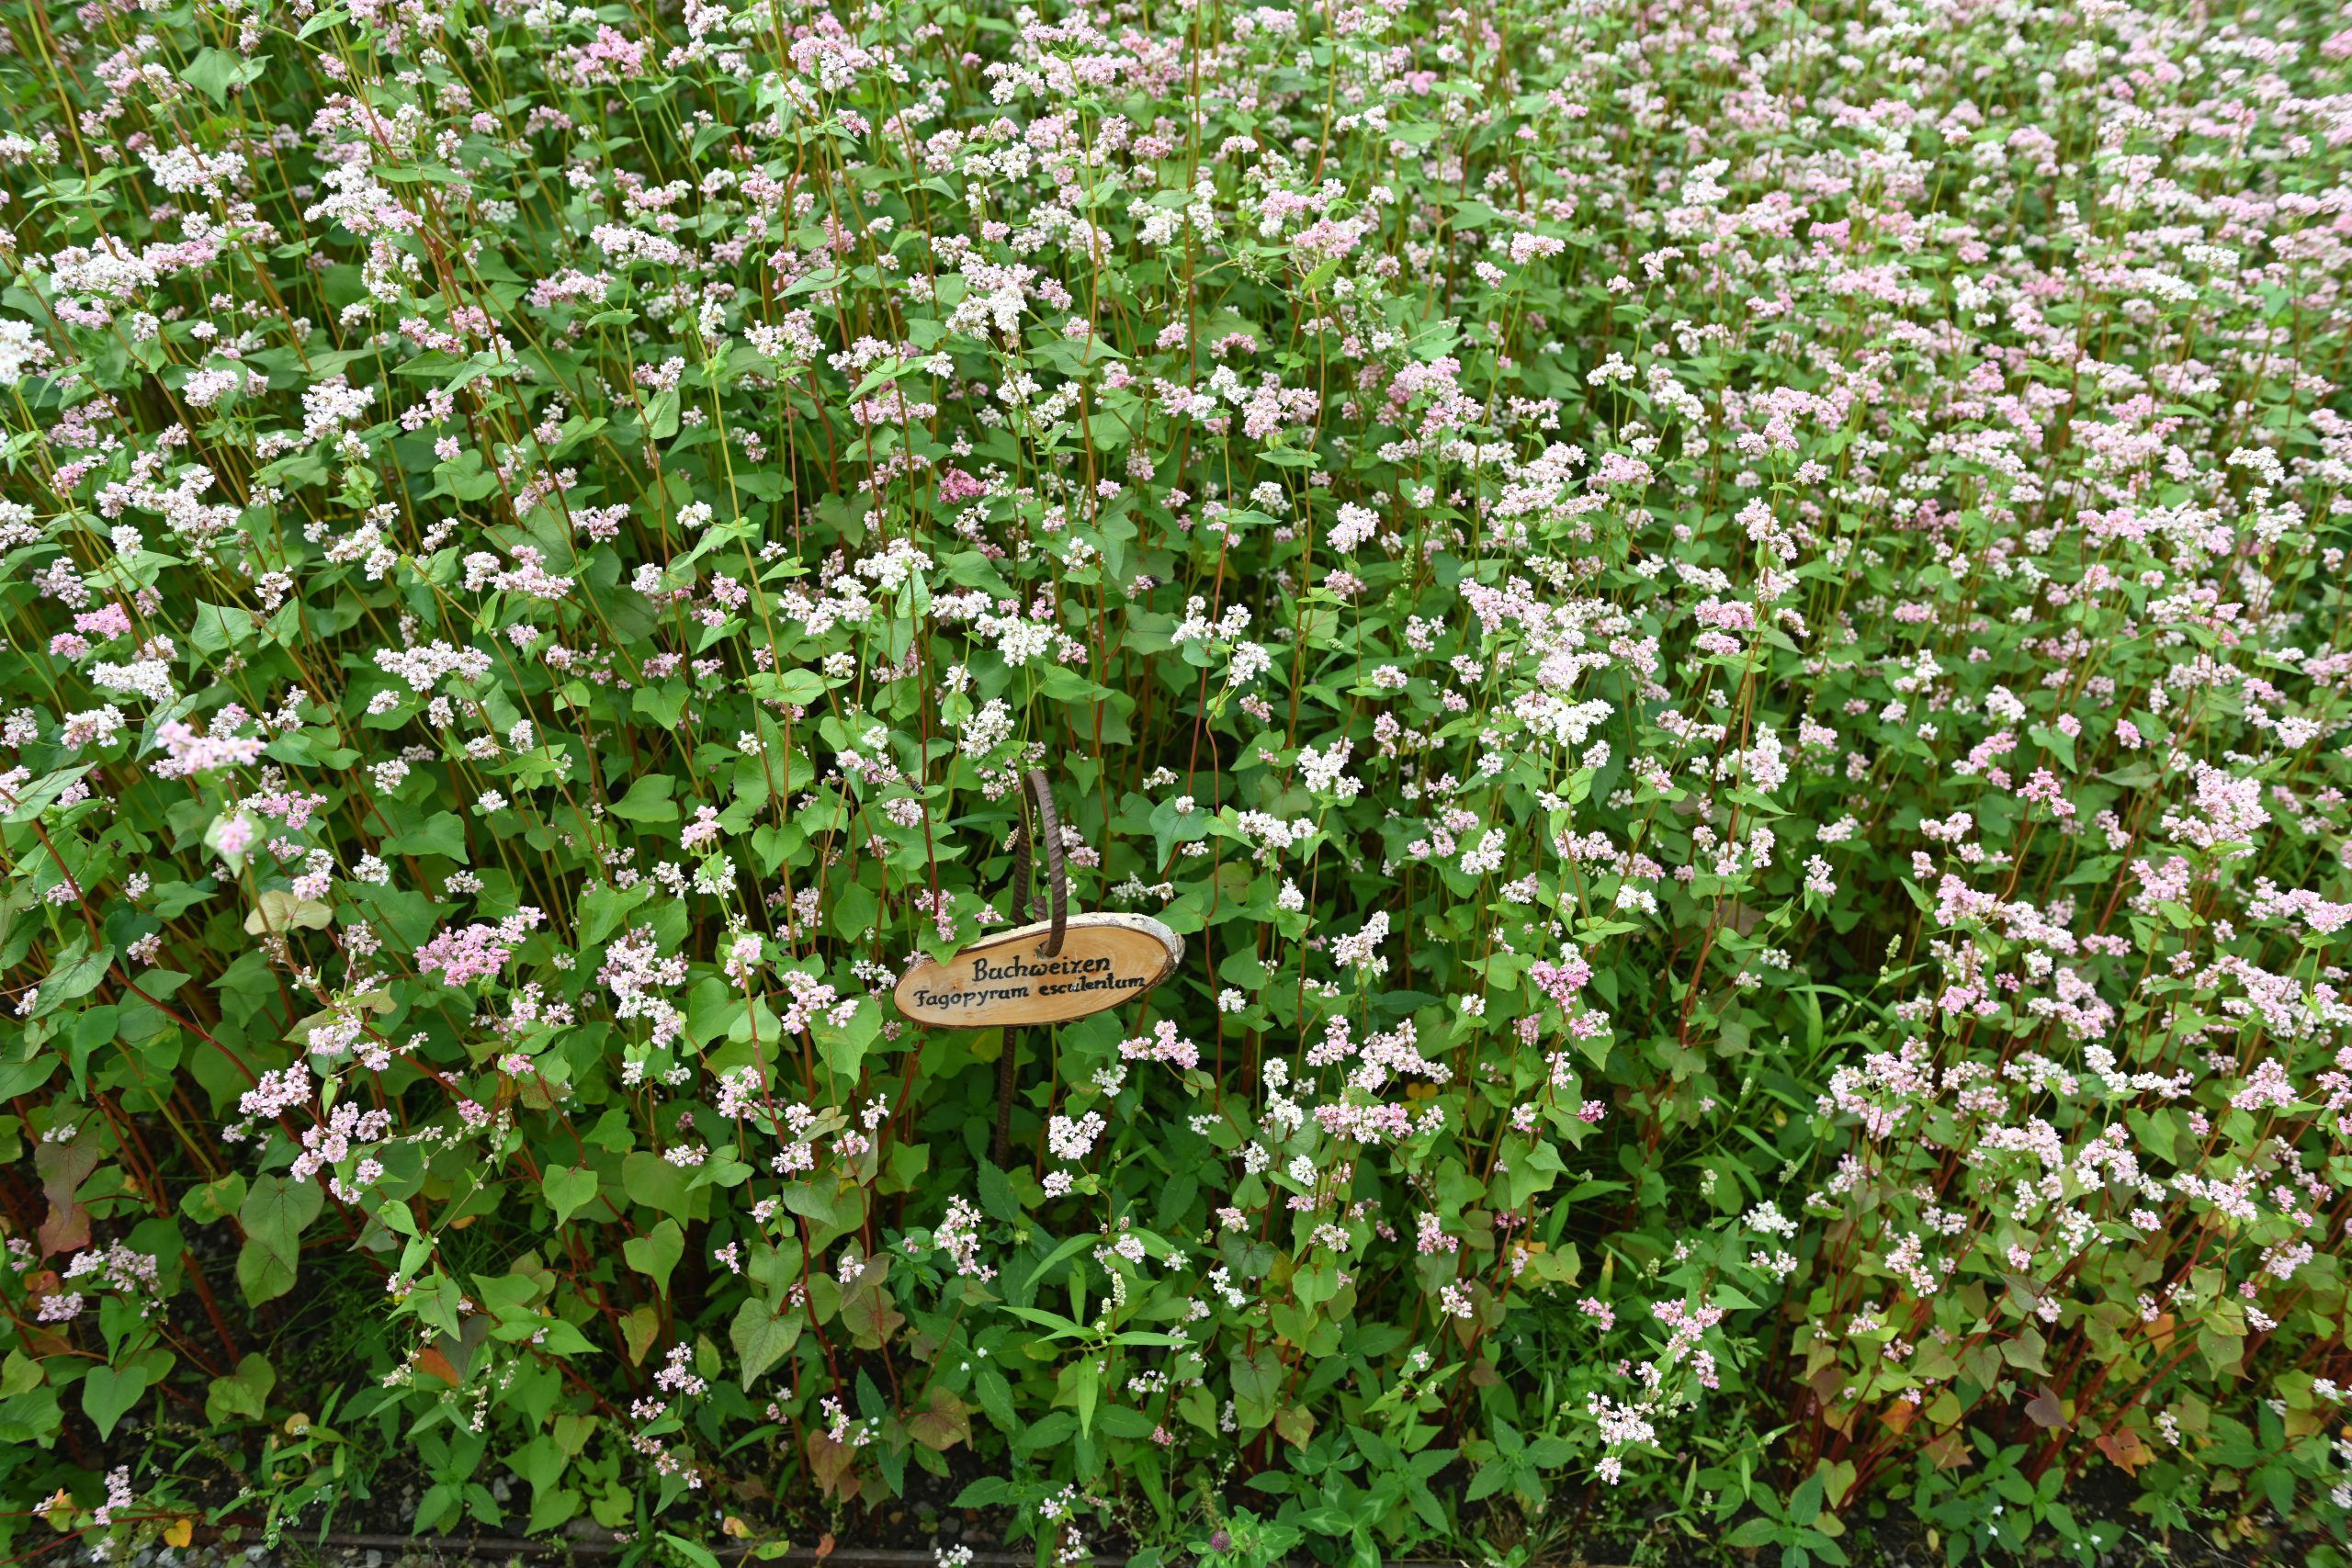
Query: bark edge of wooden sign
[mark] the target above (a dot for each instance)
(1006, 979)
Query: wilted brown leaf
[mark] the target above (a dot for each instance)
(2126, 1448)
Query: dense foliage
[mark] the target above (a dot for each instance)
(1722, 626)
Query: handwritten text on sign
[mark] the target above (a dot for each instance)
(1105, 960)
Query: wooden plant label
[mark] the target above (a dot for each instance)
(1105, 959)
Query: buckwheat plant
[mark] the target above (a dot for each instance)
(1722, 626)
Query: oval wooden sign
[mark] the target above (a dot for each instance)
(1105, 959)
